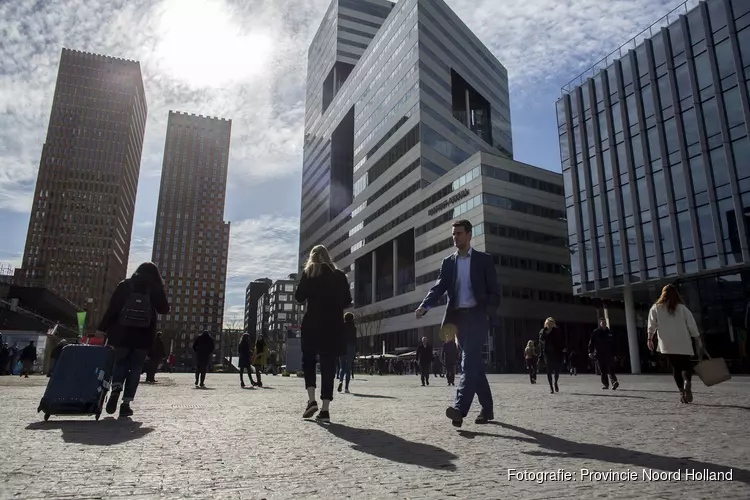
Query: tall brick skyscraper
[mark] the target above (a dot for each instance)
(82, 215)
(191, 239)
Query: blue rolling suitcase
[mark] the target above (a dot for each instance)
(79, 382)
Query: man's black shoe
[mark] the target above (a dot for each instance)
(457, 419)
(615, 385)
(125, 410)
(323, 416)
(482, 419)
(605, 387)
(341, 386)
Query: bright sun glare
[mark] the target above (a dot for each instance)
(201, 44)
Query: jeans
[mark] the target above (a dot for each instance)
(553, 367)
(531, 368)
(127, 371)
(327, 372)
(473, 328)
(249, 374)
(345, 364)
(607, 367)
(201, 367)
(682, 368)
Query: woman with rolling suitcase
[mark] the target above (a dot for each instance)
(130, 327)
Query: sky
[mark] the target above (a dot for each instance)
(246, 60)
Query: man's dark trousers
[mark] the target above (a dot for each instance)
(450, 372)
(607, 367)
(473, 328)
(425, 372)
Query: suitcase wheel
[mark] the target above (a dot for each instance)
(46, 417)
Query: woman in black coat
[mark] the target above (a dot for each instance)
(552, 345)
(130, 327)
(245, 349)
(326, 291)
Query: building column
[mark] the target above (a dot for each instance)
(374, 277)
(395, 267)
(635, 359)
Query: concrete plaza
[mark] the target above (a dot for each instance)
(389, 439)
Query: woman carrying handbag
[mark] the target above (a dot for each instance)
(674, 325)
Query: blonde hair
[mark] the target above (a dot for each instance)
(551, 322)
(318, 258)
(530, 344)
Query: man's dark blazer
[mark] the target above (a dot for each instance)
(483, 284)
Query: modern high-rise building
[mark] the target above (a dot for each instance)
(655, 156)
(253, 292)
(191, 239)
(82, 214)
(407, 129)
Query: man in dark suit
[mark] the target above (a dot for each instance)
(470, 280)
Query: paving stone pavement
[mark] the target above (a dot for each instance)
(389, 439)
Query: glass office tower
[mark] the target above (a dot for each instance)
(654, 150)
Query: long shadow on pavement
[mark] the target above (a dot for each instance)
(735, 407)
(570, 449)
(376, 396)
(106, 432)
(602, 395)
(394, 448)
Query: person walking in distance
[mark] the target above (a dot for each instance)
(155, 356)
(203, 346)
(551, 342)
(602, 347)
(424, 359)
(347, 360)
(326, 291)
(130, 327)
(260, 358)
(573, 363)
(245, 351)
(530, 356)
(450, 358)
(674, 325)
(470, 280)
(27, 359)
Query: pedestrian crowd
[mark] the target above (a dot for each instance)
(329, 335)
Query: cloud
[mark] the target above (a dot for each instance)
(550, 42)
(140, 251)
(263, 247)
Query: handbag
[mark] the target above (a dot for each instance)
(712, 371)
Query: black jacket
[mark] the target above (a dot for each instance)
(424, 354)
(28, 353)
(602, 343)
(350, 333)
(327, 295)
(136, 338)
(552, 343)
(245, 351)
(203, 346)
(157, 351)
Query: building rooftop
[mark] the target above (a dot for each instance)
(672, 16)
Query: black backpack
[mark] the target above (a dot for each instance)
(136, 313)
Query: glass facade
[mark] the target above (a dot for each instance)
(654, 151)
